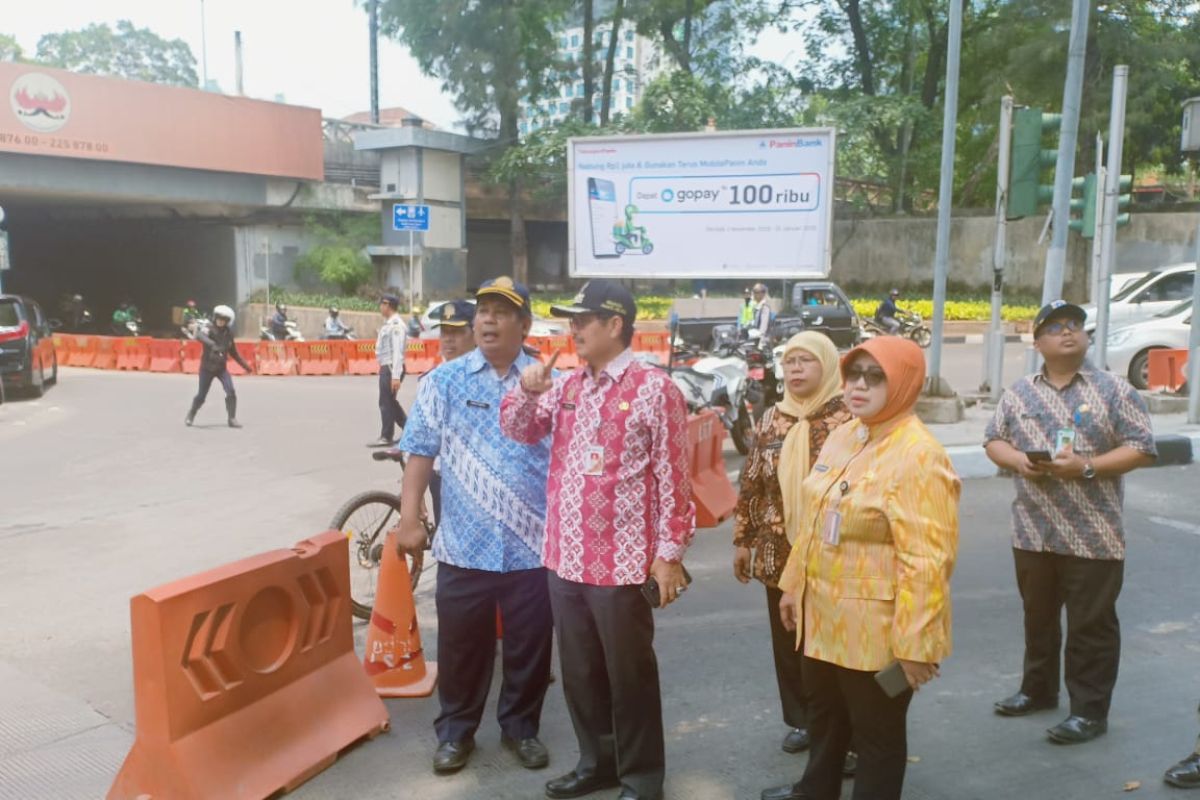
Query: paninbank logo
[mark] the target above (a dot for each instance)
(40, 102)
(788, 144)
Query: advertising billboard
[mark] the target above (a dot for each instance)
(701, 205)
(52, 112)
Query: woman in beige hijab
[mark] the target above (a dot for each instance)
(786, 444)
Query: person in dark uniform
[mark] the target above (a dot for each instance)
(219, 347)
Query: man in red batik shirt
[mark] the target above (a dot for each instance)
(618, 511)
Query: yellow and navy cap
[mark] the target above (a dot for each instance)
(600, 297)
(455, 314)
(509, 289)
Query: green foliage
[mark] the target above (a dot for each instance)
(128, 52)
(10, 48)
(338, 258)
(316, 300)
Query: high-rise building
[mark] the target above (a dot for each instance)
(638, 60)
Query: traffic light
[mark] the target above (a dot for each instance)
(1085, 204)
(1029, 160)
(1085, 223)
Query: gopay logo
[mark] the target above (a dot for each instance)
(668, 195)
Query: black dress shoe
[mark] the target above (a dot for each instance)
(630, 794)
(797, 741)
(1021, 704)
(850, 766)
(1185, 774)
(789, 792)
(530, 752)
(1077, 730)
(574, 785)
(452, 756)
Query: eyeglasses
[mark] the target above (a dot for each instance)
(580, 321)
(872, 376)
(800, 361)
(1056, 328)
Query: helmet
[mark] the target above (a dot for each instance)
(760, 287)
(333, 310)
(191, 303)
(224, 311)
(894, 293)
(280, 307)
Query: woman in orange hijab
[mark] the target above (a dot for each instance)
(870, 575)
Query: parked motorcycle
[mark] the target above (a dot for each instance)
(912, 326)
(741, 382)
(293, 333)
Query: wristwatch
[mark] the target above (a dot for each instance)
(1089, 471)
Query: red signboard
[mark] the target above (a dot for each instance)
(52, 112)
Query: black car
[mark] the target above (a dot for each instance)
(28, 362)
(819, 306)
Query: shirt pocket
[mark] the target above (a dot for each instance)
(866, 588)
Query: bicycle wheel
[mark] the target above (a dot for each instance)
(365, 519)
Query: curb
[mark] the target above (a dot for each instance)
(971, 462)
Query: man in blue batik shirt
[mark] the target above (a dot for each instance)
(489, 539)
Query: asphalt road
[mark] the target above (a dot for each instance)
(105, 494)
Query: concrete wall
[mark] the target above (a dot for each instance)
(252, 316)
(266, 249)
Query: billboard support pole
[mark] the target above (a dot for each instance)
(935, 386)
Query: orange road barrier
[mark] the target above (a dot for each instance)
(63, 343)
(277, 358)
(193, 352)
(568, 358)
(712, 492)
(133, 353)
(395, 661)
(248, 351)
(421, 355)
(360, 357)
(106, 352)
(83, 352)
(1168, 369)
(657, 343)
(165, 355)
(245, 678)
(320, 358)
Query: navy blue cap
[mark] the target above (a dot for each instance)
(600, 297)
(391, 299)
(455, 314)
(509, 289)
(1058, 308)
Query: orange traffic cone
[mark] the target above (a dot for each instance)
(395, 662)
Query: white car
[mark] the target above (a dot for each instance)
(541, 327)
(1156, 291)
(1129, 346)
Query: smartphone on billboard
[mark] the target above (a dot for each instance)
(602, 211)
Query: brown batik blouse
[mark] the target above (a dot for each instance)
(758, 523)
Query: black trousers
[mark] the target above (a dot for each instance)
(206, 379)
(610, 679)
(787, 665)
(390, 412)
(842, 701)
(1089, 589)
(466, 653)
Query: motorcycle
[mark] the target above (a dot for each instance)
(738, 396)
(127, 327)
(343, 334)
(912, 326)
(194, 326)
(293, 333)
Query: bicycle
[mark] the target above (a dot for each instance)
(365, 519)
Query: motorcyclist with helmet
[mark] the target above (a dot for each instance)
(334, 327)
(219, 346)
(278, 323)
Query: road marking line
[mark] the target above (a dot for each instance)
(1178, 525)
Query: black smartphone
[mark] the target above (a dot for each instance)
(1039, 456)
(653, 595)
(892, 680)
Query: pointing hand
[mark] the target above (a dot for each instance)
(539, 378)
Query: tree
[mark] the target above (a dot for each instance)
(10, 48)
(128, 52)
(589, 59)
(614, 39)
(338, 256)
(488, 55)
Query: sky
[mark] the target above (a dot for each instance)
(317, 56)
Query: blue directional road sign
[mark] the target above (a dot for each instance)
(410, 217)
